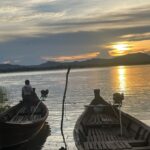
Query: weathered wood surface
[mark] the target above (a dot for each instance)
(101, 130)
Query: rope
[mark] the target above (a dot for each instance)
(120, 118)
(17, 114)
(36, 108)
(63, 106)
(114, 110)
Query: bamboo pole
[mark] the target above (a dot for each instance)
(63, 102)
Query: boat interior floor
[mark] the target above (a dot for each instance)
(103, 132)
(24, 115)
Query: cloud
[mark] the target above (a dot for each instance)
(71, 58)
(35, 28)
(10, 61)
(27, 49)
(6, 62)
(36, 18)
(136, 37)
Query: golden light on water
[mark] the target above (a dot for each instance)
(122, 78)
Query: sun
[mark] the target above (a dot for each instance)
(121, 47)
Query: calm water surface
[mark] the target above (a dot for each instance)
(133, 81)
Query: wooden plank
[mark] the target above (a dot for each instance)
(99, 145)
(86, 146)
(138, 133)
(91, 145)
(127, 145)
(94, 145)
(104, 145)
(80, 147)
(99, 120)
(117, 145)
(141, 148)
(136, 143)
(94, 136)
(147, 135)
(122, 145)
(90, 135)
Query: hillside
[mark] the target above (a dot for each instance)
(130, 59)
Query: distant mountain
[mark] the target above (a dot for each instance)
(6, 67)
(130, 59)
(49, 64)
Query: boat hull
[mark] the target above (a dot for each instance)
(12, 134)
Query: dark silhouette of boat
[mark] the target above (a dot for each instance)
(18, 126)
(103, 126)
(36, 143)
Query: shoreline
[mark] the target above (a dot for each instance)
(63, 68)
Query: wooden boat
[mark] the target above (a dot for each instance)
(100, 127)
(37, 142)
(17, 126)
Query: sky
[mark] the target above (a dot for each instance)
(35, 31)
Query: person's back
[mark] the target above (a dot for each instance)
(27, 90)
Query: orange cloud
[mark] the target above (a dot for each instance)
(72, 58)
(117, 53)
(142, 46)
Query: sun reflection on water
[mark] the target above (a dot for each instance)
(122, 78)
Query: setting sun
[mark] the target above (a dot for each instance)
(121, 47)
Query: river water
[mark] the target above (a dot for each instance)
(133, 81)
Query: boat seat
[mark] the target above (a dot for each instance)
(102, 120)
(141, 148)
(111, 145)
(25, 113)
(80, 147)
(136, 143)
(25, 117)
(105, 124)
(107, 134)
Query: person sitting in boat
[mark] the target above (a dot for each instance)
(27, 92)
